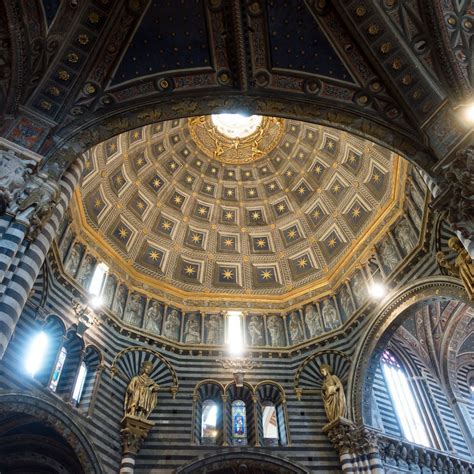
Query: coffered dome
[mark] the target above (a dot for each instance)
(269, 209)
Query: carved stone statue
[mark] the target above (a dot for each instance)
(415, 461)
(109, 290)
(405, 236)
(296, 331)
(346, 301)
(171, 330)
(402, 459)
(275, 330)
(134, 310)
(213, 330)
(192, 331)
(12, 177)
(390, 457)
(359, 288)
(333, 395)
(463, 266)
(73, 260)
(426, 464)
(141, 395)
(388, 254)
(154, 318)
(120, 300)
(256, 331)
(86, 271)
(313, 321)
(331, 319)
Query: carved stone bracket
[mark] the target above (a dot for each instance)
(133, 433)
(239, 367)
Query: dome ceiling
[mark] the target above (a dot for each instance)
(286, 208)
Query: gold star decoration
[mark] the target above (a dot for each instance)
(202, 211)
(301, 190)
(166, 225)
(332, 242)
(208, 188)
(123, 233)
(154, 255)
(266, 274)
(214, 170)
(198, 163)
(88, 165)
(261, 243)
(230, 173)
(229, 242)
(136, 135)
(156, 183)
(272, 186)
(252, 192)
(178, 199)
(118, 180)
(316, 214)
(97, 203)
(281, 207)
(227, 274)
(256, 215)
(230, 192)
(247, 174)
(376, 178)
(229, 215)
(140, 205)
(190, 270)
(302, 262)
(139, 161)
(336, 188)
(356, 212)
(330, 145)
(291, 233)
(352, 158)
(173, 165)
(196, 238)
(289, 173)
(112, 147)
(318, 169)
(264, 170)
(189, 179)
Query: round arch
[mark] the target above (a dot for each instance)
(383, 326)
(47, 413)
(243, 461)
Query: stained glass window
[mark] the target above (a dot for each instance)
(53, 385)
(404, 400)
(239, 420)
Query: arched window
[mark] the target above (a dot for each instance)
(87, 378)
(239, 422)
(209, 430)
(270, 423)
(404, 400)
(58, 369)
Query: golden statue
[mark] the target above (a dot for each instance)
(141, 395)
(333, 394)
(462, 267)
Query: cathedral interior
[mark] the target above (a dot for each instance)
(236, 236)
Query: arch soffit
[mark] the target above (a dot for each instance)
(272, 383)
(247, 385)
(383, 326)
(56, 418)
(221, 460)
(219, 385)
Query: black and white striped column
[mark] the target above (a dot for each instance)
(127, 465)
(18, 281)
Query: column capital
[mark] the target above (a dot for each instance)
(133, 433)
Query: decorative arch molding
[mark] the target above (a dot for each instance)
(243, 459)
(56, 418)
(383, 326)
(81, 135)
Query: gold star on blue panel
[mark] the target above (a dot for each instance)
(377, 182)
(176, 200)
(175, 139)
(121, 234)
(251, 193)
(289, 175)
(230, 175)
(330, 145)
(138, 205)
(331, 245)
(229, 194)
(138, 161)
(153, 257)
(189, 270)
(95, 204)
(311, 136)
(117, 181)
(208, 188)
(212, 170)
(302, 192)
(135, 135)
(301, 265)
(194, 239)
(164, 226)
(281, 208)
(317, 216)
(317, 171)
(265, 275)
(228, 216)
(337, 189)
(246, 175)
(158, 149)
(185, 153)
(172, 166)
(227, 243)
(201, 211)
(255, 217)
(188, 180)
(356, 215)
(155, 183)
(89, 166)
(260, 244)
(110, 148)
(157, 128)
(227, 274)
(291, 235)
(272, 188)
(353, 161)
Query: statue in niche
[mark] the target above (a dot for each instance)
(415, 461)
(450, 467)
(296, 331)
(142, 394)
(313, 321)
(86, 271)
(359, 288)
(171, 330)
(426, 464)
(330, 317)
(275, 330)
(154, 318)
(462, 268)
(390, 457)
(192, 330)
(120, 300)
(213, 326)
(403, 458)
(134, 310)
(109, 290)
(388, 254)
(346, 301)
(332, 393)
(439, 464)
(405, 236)
(256, 331)
(73, 260)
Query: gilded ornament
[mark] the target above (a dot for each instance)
(407, 79)
(73, 58)
(94, 18)
(89, 88)
(44, 104)
(397, 63)
(54, 91)
(361, 11)
(373, 29)
(386, 47)
(332, 393)
(83, 39)
(452, 21)
(63, 75)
